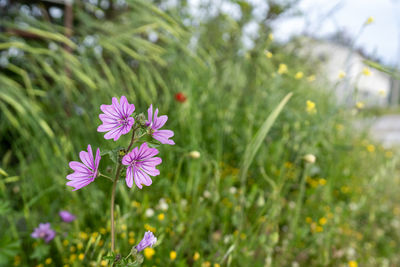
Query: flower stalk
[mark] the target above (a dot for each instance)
(117, 174)
(139, 162)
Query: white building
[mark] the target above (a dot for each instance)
(338, 61)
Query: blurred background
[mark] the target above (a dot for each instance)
(250, 181)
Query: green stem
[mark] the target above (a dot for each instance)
(108, 177)
(115, 181)
(117, 173)
(299, 202)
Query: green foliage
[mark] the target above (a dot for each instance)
(249, 197)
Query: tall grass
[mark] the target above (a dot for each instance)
(239, 204)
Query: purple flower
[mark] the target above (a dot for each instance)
(85, 172)
(156, 123)
(44, 231)
(116, 118)
(141, 163)
(148, 241)
(66, 216)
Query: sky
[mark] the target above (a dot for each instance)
(381, 38)
(320, 18)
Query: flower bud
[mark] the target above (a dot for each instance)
(194, 154)
(310, 158)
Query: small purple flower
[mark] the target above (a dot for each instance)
(116, 118)
(44, 231)
(141, 163)
(66, 216)
(156, 123)
(148, 241)
(85, 172)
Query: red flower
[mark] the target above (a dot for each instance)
(180, 97)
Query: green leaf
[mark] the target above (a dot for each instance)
(40, 252)
(8, 249)
(255, 143)
(113, 153)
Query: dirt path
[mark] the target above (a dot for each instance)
(387, 130)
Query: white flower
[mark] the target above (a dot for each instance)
(206, 194)
(162, 204)
(233, 190)
(149, 212)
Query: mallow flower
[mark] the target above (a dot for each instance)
(141, 163)
(148, 241)
(155, 123)
(44, 232)
(116, 118)
(66, 216)
(86, 172)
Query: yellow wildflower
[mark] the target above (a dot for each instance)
(206, 264)
(172, 255)
(282, 68)
(149, 253)
(345, 189)
(308, 220)
(311, 78)
(217, 265)
(366, 72)
(72, 257)
(135, 204)
(65, 242)
(72, 249)
(322, 221)
(342, 74)
(382, 92)
(83, 235)
(371, 148)
(360, 105)
(388, 154)
(161, 216)
(103, 231)
(310, 107)
(196, 256)
(268, 54)
(81, 256)
(124, 227)
(319, 229)
(40, 265)
(322, 181)
(271, 36)
(299, 75)
(79, 246)
(369, 20)
(149, 228)
(131, 241)
(103, 263)
(353, 264)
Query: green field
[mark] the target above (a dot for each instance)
(249, 197)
